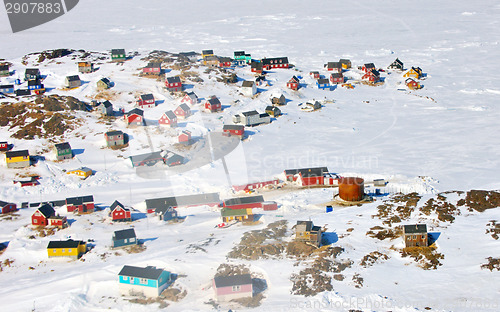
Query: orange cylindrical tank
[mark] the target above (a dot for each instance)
(352, 189)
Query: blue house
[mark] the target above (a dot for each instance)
(148, 281)
(35, 85)
(323, 84)
(124, 238)
(168, 214)
(7, 89)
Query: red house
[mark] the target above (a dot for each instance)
(135, 117)
(372, 76)
(336, 67)
(153, 68)
(224, 62)
(7, 207)
(275, 62)
(168, 119)
(315, 74)
(269, 205)
(255, 185)
(190, 98)
(244, 202)
(256, 67)
(236, 130)
(336, 78)
(174, 84)
(119, 212)
(80, 204)
(293, 83)
(182, 111)
(58, 221)
(4, 146)
(146, 100)
(368, 67)
(185, 136)
(213, 104)
(311, 177)
(41, 216)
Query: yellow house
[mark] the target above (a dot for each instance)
(82, 172)
(206, 53)
(17, 159)
(70, 248)
(414, 72)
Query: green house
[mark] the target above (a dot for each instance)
(63, 151)
(118, 55)
(242, 56)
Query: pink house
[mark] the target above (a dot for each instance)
(232, 287)
(182, 111)
(190, 98)
(168, 119)
(185, 136)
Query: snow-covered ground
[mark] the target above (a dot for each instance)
(439, 138)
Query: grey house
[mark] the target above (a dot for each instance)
(73, 81)
(251, 118)
(148, 159)
(4, 70)
(105, 108)
(124, 238)
(114, 138)
(278, 101)
(159, 205)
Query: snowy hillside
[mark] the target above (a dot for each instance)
(429, 141)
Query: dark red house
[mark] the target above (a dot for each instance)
(256, 67)
(255, 185)
(80, 204)
(58, 221)
(213, 104)
(146, 100)
(41, 216)
(168, 119)
(153, 68)
(368, 67)
(293, 83)
(315, 74)
(311, 176)
(244, 202)
(275, 62)
(174, 84)
(371, 76)
(225, 62)
(334, 66)
(236, 130)
(135, 117)
(4, 146)
(119, 212)
(7, 207)
(336, 78)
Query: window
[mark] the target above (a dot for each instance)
(63, 250)
(69, 250)
(414, 236)
(143, 281)
(35, 220)
(54, 250)
(237, 288)
(125, 278)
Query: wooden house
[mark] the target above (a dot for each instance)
(82, 172)
(168, 214)
(371, 76)
(255, 185)
(114, 138)
(236, 130)
(58, 221)
(118, 55)
(243, 215)
(323, 83)
(314, 74)
(335, 67)
(190, 56)
(227, 288)
(135, 117)
(308, 177)
(147, 159)
(307, 232)
(158, 205)
(123, 238)
(30, 181)
(275, 62)
(293, 83)
(103, 84)
(4, 146)
(256, 67)
(415, 235)
(6, 207)
(414, 72)
(273, 111)
(185, 137)
(37, 86)
(346, 63)
(153, 68)
(368, 67)
(149, 281)
(41, 215)
(105, 108)
(173, 159)
(146, 101)
(72, 81)
(182, 111)
(242, 56)
(17, 159)
(269, 206)
(190, 98)
(22, 92)
(119, 212)
(249, 88)
(336, 78)
(278, 100)
(211, 61)
(397, 65)
(80, 204)
(6, 89)
(173, 84)
(251, 118)
(213, 104)
(32, 74)
(85, 67)
(63, 151)
(168, 119)
(225, 62)
(206, 53)
(412, 84)
(68, 248)
(4, 70)
(244, 202)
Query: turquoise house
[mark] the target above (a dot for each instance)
(148, 281)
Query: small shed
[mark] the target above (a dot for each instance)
(6, 207)
(185, 137)
(236, 130)
(307, 232)
(82, 172)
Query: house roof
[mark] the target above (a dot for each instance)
(124, 234)
(239, 53)
(187, 54)
(397, 62)
(65, 244)
(32, 71)
(224, 59)
(334, 65)
(17, 153)
(153, 65)
(192, 95)
(63, 146)
(375, 72)
(408, 80)
(244, 200)
(369, 65)
(23, 92)
(34, 83)
(275, 60)
(116, 204)
(170, 115)
(323, 81)
(256, 65)
(272, 108)
(105, 80)
(86, 169)
(182, 200)
(107, 104)
(146, 156)
(227, 212)
(136, 111)
(147, 97)
(46, 210)
(250, 113)
(294, 79)
(6, 86)
(173, 158)
(4, 67)
(118, 51)
(233, 127)
(234, 280)
(336, 75)
(248, 84)
(149, 272)
(308, 172)
(213, 101)
(344, 61)
(73, 78)
(415, 228)
(79, 200)
(3, 204)
(113, 133)
(205, 52)
(184, 107)
(175, 79)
